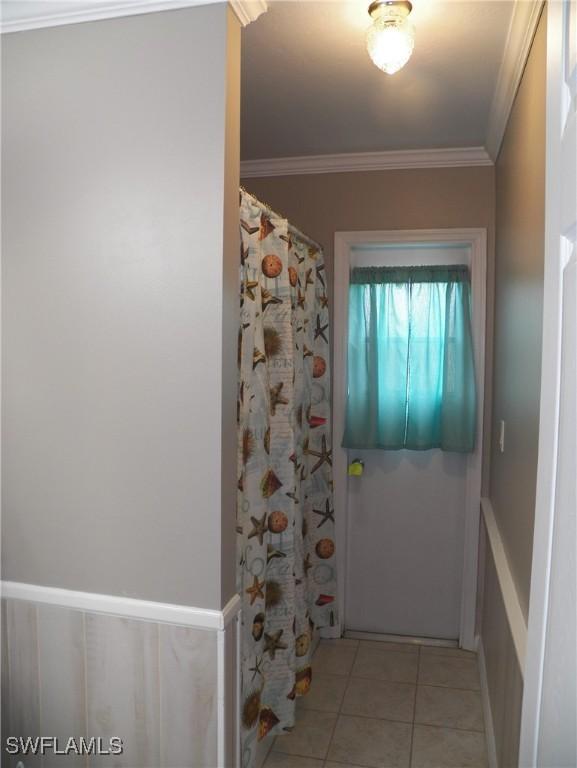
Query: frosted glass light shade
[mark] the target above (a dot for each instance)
(390, 42)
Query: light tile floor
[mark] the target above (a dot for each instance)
(387, 705)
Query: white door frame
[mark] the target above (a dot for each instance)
(555, 464)
(476, 239)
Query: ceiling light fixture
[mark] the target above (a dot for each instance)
(391, 36)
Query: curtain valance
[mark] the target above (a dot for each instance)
(425, 274)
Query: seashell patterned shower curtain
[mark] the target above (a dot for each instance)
(285, 518)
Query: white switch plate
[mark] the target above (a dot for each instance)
(502, 436)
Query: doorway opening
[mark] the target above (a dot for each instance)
(407, 530)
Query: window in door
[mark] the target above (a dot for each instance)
(411, 377)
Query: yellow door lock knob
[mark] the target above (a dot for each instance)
(356, 468)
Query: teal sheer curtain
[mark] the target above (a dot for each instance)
(411, 375)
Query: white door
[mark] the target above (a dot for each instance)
(406, 516)
(548, 738)
(406, 527)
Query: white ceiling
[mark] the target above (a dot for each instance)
(309, 87)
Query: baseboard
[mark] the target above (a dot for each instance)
(379, 637)
(487, 713)
(331, 633)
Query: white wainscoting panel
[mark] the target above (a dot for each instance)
(501, 674)
(163, 688)
(188, 712)
(230, 703)
(5, 694)
(24, 705)
(122, 679)
(62, 678)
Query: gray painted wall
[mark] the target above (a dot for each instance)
(519, 252)
(519, 259)
(115, 221)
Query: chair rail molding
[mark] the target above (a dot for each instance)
(517, 623)
(18, 16)
(365, 161)
(522, 28)
(126, 607)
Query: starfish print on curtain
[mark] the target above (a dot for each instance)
(285, 515)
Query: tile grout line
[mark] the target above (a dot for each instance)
(415, 707)
(399, 682)
(390, 720)
(449, 728)
(407, 682)
(402, 682)
(349, 678)
(326, 757)
(337, 714)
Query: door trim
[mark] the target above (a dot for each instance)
(552, 453)
(476, 239)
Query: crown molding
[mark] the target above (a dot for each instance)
(522, 28)
(366, 161)
(248, 10)
(43, 13)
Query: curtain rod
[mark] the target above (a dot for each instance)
(291, 227)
